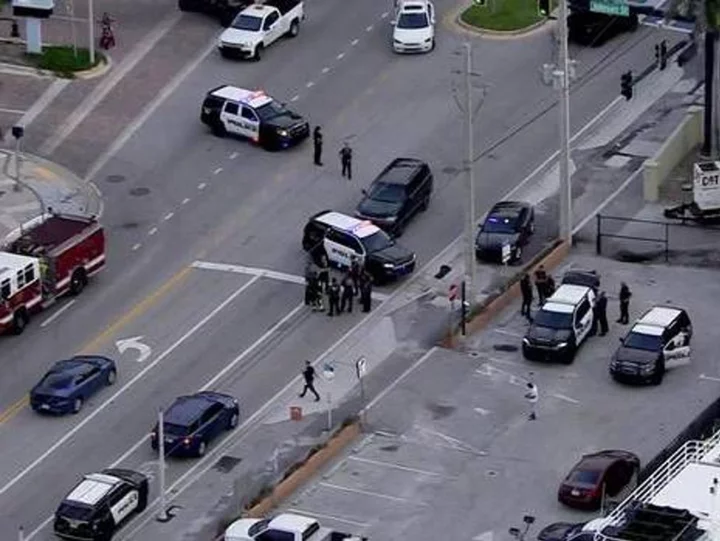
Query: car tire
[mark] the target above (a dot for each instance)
(659, 374)
(77, 405)
(398, 230)
(258, 52)
(202, 448)
(20, 321)
(111, 378)
(432, 45)
(185, 5)
(425, 203)
(78, 281)
(219, 130)
(233, 421)
(294, 29)
(142, 499)
(569, 357)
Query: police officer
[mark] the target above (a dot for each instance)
(541, 283)
(355, 274)
(333, 293)
(310, 279)
(346, 297)
(309, 377)
(317, 145)
(527, 296)
(625, 295)
(346, 160)
(600, 314)
(323, 274)
(366, 291)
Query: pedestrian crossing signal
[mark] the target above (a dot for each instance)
(543, 8)
(626, 81)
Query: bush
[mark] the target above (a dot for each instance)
(63, 61)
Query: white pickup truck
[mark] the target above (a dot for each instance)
(259, 25)
(287, 526)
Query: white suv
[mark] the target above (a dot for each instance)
(414, 26)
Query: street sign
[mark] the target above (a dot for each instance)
(361, 367)
(610, 7)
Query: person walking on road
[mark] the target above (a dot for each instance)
(366, 292)
(309, 377)
(346, 295)
(346, 160)
(527, 296)
(600, 314)
(541, 283)
(625, 295)
(333, 293)
(317, 146)
(531, 395)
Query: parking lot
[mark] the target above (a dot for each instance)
(451, 448)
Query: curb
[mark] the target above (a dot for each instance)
(102, 67)
(99, 70)
(287, 487)
(455, 19)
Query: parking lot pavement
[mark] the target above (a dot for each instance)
(451, 447)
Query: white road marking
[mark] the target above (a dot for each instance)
(369, 493)
(508, 333)
(123, 457)
(295, 98)
(99, 93)
(168, 216)
(395, 466)
(608, 200)
(481, 411)
(218, 171)
(52, 92)
(565, 398)
(185, 201)
(325, 69)
(12, 111)
(708, 378)
(395, 383)
(136, 247)
(354, 42)
(101, 407)
(151, 107)
(37, 530)
(152, 231)
(485, 536)
(201, 186)
(57, 313)
(330, 517)
(233, 155)
(384, 15)
(506, 362)
(340, 56)
(369, 28)
(310, 84)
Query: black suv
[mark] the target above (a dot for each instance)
(658, 340)
(510, 224)
(100, 504)
(225, 10)
(339, 239)
(399, 192)
(194, 421)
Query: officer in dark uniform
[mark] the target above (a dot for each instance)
(355, 274)
(624, 304)
(347, 294)
(309, 377)
(323, 274)
(527, 296)
(541, 284)
(346, 160)
(317, 145)
(366, 291)
(600, 314)
(333, 293)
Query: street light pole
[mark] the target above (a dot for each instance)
(563, 75)
(91, 31)
(162, 515)
(470, 224)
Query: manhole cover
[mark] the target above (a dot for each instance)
(390, 448)
(114, 179)
(226, 463)
(505, 347)
(474, 354)
(140, 191)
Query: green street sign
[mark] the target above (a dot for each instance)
(610, 7)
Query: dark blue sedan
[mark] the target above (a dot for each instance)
(69, 383)
(192, 422)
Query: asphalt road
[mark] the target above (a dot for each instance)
(176, 194)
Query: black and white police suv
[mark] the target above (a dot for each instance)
(100, 504)
(660, 339)
(339, 238)
(254, 115)
(561, 324)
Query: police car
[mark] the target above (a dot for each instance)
(100, 504)
(660, 339)
(338, 239)
(254, 115)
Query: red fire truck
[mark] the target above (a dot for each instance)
(48, 257)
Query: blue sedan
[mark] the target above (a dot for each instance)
(69, 383)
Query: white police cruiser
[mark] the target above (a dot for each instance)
(254, 115)
(339, 238)
(100, 504)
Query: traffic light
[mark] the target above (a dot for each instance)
(626, 85)
(543, 8)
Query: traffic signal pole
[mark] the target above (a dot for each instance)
(563, 75)
(470, 218)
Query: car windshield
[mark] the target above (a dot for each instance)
(270, 110)
(499, 224)
(75, 512)
(247, 22)
(175, 430)
(56, 380)
(412, 20)
(376, 242)
(553, 320)
(258, 527)
(387, 193)
(647, 342)
(585, 477)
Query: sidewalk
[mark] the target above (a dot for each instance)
(59, 189)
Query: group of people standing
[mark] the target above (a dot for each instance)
(345, 153)
(545, 285)
(319, 286)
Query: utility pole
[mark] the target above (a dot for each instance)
(470, 218)
(562, 75)
(91, 32)
(162, 515)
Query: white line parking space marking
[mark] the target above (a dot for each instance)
(354, 42)
(168, 216)
(565, 398)
(12, 111)
(233, 155)
(508, 333)
(136, 247)
(52, 92)
(329, 517)
(325, 70)
(708, 378)
(369, 493)
(295, 98)
(369, 28)
(101, 407)
(340, 56)
(185, 201)
(482, 411)
(152, 231)
(218, 171)
(310, 84)
(396, 466)
(57, 314)
(384, 15)
(201, 186)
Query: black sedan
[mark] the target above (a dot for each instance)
(597, 476)
(69, 383)
(509, 224)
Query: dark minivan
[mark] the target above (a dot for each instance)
(399, 192)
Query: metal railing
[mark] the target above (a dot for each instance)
(692, 452)
(600, 234)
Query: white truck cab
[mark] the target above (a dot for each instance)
(414, 26)
(260, 25)
(286, 526)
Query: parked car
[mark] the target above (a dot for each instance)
(398, 193)
(69, 383)
(509, 223)
(587, 278)
(192, 422)
(597, 476)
